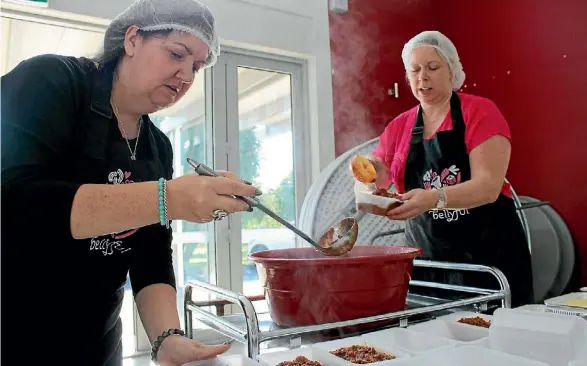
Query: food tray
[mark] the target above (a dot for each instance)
(366, 201)
(564, 304)
(415, 361)
(274, 358)
(462, 333)
(551, 338)
(324, 349)
(533, 307)
(454, 317)
(234, 360)
(470, 355)
(407, 340)
(581, 362)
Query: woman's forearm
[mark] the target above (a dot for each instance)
(101, 209)
(157, 305)
(470, 194)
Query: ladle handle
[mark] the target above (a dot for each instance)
(202, 169)
(278, 218)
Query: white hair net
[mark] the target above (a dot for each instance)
(445, 48)
(188, 16)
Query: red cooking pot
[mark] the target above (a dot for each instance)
(303, 287)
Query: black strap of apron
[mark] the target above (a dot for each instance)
(458, 124)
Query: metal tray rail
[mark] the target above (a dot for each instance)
(245, 327)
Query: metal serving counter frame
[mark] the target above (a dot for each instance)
(251, 334)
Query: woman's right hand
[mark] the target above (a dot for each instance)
(194, 198)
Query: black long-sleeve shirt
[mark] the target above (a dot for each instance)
(59, 132)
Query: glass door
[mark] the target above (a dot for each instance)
(190, 128)
(266, 130)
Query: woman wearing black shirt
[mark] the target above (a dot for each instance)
(88, 193)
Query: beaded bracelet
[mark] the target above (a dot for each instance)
(163, 213)
(161, 338)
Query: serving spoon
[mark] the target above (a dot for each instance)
(336, 241)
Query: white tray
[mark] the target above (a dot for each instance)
(234, 360)
(533, 307)
(416, 361)
(468, 355)
(274, 358)
(560, 304)
(364, 196)
(454, 317)
(581, 362)
(550, 338)
(324, 349)
(451, 330)
(407, 340)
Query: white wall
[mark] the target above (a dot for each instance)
(297, 28)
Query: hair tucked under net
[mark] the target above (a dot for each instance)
(156, 16)
(446, 49)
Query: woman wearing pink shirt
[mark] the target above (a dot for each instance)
(449, 156)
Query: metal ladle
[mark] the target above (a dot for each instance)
(337, 240)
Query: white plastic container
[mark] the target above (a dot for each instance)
(550, 338)
(573, 300)
(451, 330)
(574, 303)
(533, 307)
(366, 201)
(483, 342)
(415, 361)
(582, 362)
(454, 317)
(469, 355)
(275, 358)
(235, 360)
(407, 340)
(323, 350)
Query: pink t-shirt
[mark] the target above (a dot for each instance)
(482, 120)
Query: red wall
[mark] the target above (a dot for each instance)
(529, 56)
(366, 44)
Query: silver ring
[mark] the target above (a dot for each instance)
(219, 215)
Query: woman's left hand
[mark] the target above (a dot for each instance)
(416, 202)
(177, 351)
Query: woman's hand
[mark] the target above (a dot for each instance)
(177, 351)
(416, 202)
(194, 198)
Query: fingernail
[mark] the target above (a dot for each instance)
(258, 192)
(246, 182)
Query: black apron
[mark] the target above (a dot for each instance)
(490, 235)
(123, 170)
(104, 158)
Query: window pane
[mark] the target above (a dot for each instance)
(193, 145)
(266, 158)
(185, 124)
(195, 259)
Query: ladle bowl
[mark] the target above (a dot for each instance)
(340, 238)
